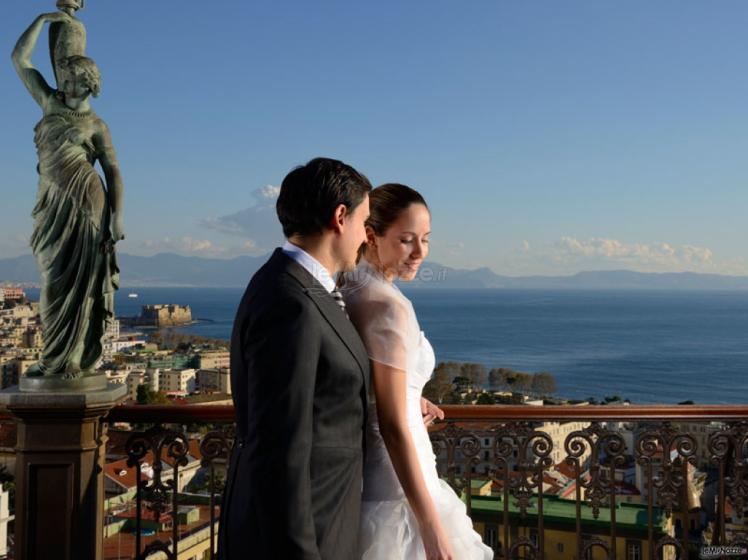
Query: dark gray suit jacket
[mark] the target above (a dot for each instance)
(299, 376)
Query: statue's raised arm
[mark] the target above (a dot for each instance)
(38, 87)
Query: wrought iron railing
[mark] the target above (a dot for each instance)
(500, 459)
(664, 446)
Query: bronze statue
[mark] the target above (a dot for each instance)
(78, 216)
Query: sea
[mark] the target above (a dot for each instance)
(646, 346)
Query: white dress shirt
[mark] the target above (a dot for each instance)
(310, 264)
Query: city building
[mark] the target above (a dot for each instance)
(135, 379)
(117, 376)
(214, 380)
(559, 523)
(214, 359)
(178, 381)
(20, 326)
(9, 293)
(152, 378)
(115, 342)
(13, 368)
(168, 360)
(32, 337)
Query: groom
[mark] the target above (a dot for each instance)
(299, 376)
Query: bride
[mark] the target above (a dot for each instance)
(408, 513)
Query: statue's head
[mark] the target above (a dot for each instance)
(79, 76)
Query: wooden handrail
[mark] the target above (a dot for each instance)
(188, 414)
(172, 414)
(661, 413)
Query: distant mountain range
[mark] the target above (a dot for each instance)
(171, 270)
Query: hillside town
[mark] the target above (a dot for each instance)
(161, 367)
(166, 367)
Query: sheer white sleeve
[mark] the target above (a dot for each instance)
(384, 327)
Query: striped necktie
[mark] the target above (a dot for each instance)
(338, 297)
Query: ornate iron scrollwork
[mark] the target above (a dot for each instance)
(600, 443)
(591, 544)
(215, 445)
(524, 543)
(533, 457)
(732, 441)
(452, 439)
(161, 443)
(669, 480)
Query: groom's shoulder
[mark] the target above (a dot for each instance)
(279, 279)
(280, 275)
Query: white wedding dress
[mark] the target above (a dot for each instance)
(387, 323)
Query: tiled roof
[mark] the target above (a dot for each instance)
(120, 473)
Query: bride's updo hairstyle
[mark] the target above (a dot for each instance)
(387, 203)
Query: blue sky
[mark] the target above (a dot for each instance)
(548, 137)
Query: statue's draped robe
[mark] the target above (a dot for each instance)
(71, 222)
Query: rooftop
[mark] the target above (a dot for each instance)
(628, 516)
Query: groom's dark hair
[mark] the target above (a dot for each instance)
(310, 193)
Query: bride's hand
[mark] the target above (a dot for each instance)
(430, 412)
(435, 542)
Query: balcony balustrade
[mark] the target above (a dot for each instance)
(552, 482)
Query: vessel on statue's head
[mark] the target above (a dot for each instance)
(73, 5)
(66, 39)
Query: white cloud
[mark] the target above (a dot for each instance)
(654, 257)
(186, 245)
(268, 191)
(257, 224)
(14, 245)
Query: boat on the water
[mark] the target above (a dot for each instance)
(132, 295)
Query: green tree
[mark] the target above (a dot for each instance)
(453, 369)
(453, 397)
(463, 384)
(486, 398)
(494, 378)
(498, 378)
(516, 381)
(146, 395)
(476, 373)
(543, 383)
(439, 386)
(143, 394)
(523, 383)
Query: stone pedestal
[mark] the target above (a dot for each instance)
(59, 471)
